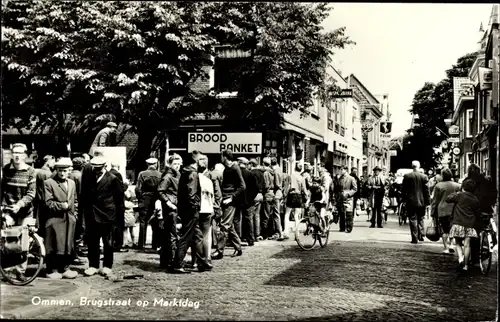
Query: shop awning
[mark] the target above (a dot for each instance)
(299, 129)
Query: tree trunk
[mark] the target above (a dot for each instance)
(62, 142)
(146, 135)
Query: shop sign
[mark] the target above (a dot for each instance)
(456, 151)
(239, 143)
(454, 130)
(393, 153)
(344, 93)
(454, 140)
(485, 78)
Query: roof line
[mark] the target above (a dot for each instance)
(369, 93)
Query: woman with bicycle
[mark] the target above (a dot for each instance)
(317, 203)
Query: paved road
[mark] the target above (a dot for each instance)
(369, 275)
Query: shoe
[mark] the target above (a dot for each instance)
(342, 230)
(54, 276)
(180, 271)
(451, 250)
(237, 253)
(260, 238)
(251, 243)
(205, 267)
(380, 226)
(281, 238)
(273, 237)
(414, 242)
(347, 231)
(421, 239)
(191, 266)
(217, 255)
(69, 274)
(105, 271)
(90, 271)
(372, 226)
(286, 237)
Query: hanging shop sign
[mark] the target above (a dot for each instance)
(454, 140)
(239, 143)
(485, 78)
(454, 130)
(456, 151)
(344, 93)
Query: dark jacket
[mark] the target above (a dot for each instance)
(358, 184)
(233, 184)
(252, 188)
(107, 200)
(259, 176)
(485, 191)
(442, 190)
(168, 188)
(147, 184)
(189, 192)
(268, 174)
(76, 176)
(467, 209)
(415, 191)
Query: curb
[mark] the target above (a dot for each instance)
(30, 310)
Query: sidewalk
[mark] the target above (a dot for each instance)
(26, 301)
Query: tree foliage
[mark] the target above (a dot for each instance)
(139, 61)
(433, 103)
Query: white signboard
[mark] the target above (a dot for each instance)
(454, 140)
(239, 143)
(393, 153)
(456, 151)
(117, 154)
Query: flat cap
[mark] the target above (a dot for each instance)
(253, 162)
(243, 160)
(152, 161)
(98, 161)
(112, 124)
(63, 163)
(415, 164)
(20, 145)
(377, 168)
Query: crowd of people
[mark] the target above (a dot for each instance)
(79, 205)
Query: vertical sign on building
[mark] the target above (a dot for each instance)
(385, 132)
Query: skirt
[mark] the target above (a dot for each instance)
(458, 231)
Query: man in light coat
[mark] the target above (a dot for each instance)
(347, 190)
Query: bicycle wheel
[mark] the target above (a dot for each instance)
(34, 258)
(484, 253)
(323, 240)
(305, 234)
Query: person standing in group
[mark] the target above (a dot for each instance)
(415, 193)
(267, 227)
(376, 185)
(208, 205)
(247, 208)
(104, 137)
(442, 210)
(278, 198)
(233, 189)
(216, 177)
(354, 174)
(296, 199)
(307, 176)
(257, 202)
(167, 191)
(76, 176)
(466, 214)
(17, 194)
(189, 204)
(346, 190)
(105, 200)
(60, 197)
(42, 174)
(146, 191)
(120, 223)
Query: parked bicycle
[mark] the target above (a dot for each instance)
(402, 214)
(312, 227)
(19, 244)
(487, 242)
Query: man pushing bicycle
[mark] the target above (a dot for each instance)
(18, 192)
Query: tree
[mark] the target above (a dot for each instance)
(139, 60)
(433, 103)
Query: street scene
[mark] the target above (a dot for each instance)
(249, 161)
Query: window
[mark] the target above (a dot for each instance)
(315, 107)
(470, 123)
(330, 120)
(468, 160)
(228, 65)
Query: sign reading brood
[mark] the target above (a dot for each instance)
(243, 143)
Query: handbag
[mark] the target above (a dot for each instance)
(432, 231)
(15, 239)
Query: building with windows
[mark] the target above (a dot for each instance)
(375, 152)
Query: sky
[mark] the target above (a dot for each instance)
(399, 46)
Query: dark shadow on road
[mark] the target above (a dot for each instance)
(402, 271)
(142, 265)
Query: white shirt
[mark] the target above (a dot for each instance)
(99, 179)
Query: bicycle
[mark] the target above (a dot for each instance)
(19, 244)
(313, 226)
(402, 214)
(487, 241)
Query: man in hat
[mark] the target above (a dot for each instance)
(76, 176)
(415, 193)
(42, 174)
(105, 201)
(376, 185)
(258, 172)
(118, 231)
(60, 197)
(345, 192)
(246, 211)
(103, 138)
(146, 191)
(17, 193)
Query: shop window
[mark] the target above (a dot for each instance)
(228, 65)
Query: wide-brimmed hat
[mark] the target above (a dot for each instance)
(63, 163)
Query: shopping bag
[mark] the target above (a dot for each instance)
(432, 231)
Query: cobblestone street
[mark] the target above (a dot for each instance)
(369, 275)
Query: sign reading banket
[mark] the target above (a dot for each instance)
(239, 143)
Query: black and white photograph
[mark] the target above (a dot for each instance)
(263, 161)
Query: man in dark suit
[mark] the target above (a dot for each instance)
(76, 176)
(246, 211)
(42, 174)
(105, 200)
(120, 224)
(415, 193)
(376, 185)
(146, 191)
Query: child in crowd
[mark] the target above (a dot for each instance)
(130, 218)
(465, 215)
